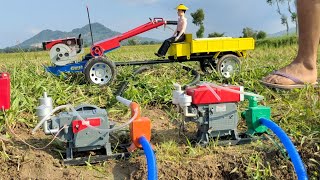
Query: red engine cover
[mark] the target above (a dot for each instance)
(47, 45)
(4, 91)
(78, 126)
(202, 95)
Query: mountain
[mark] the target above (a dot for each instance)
(284, 32)
(99, 31)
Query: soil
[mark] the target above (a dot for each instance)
(19, 161)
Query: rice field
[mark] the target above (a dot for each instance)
(296, 111)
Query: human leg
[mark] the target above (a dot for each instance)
(303, 67)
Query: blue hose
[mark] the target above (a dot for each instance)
(293, 154)
(151, 158)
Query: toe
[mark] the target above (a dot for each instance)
(265, 78)
(268, 78)
(273, 79)
(282, 80)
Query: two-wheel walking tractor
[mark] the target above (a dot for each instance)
(214, 54)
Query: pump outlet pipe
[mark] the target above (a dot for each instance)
(293, 153)
(151, 158)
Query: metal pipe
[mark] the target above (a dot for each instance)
(124, 101)
(47, 117)
(186, 112)
(48, 131)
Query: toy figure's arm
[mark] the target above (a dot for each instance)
(175, 32)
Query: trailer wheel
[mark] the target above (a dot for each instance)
(100, 71)
(228, 65)
(207, 66)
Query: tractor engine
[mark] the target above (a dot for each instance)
(68, 127)
(64, 51)
(214, 112)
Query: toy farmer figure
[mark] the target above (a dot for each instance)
(178, 35)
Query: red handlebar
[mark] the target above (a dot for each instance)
(99, 48)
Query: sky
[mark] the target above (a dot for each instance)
(22, 19)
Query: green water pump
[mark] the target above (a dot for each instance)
(253, 114)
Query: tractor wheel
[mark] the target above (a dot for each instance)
(228, 65)
(207, 66)
(100, 71)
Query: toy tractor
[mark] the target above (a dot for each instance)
(220, 54)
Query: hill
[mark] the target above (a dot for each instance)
(282, 33)
(99, 31)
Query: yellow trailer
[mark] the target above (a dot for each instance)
(221, 54)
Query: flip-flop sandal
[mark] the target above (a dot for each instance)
(298, 82)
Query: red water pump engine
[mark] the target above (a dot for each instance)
(214, 110)
(64, 51)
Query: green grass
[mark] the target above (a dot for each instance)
(277, 42)
(297, 111)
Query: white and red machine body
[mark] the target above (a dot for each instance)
(213, 109)
(64, 51)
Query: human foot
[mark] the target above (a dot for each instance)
(296, 70)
